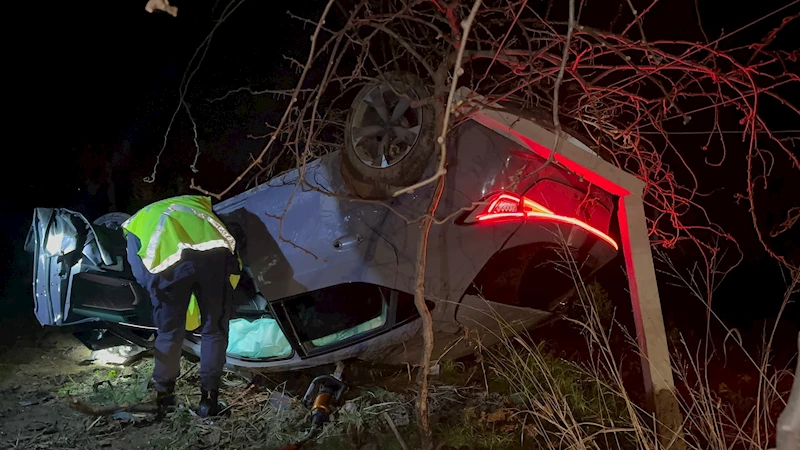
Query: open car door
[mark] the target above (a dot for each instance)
(82, 277)
(80, 273)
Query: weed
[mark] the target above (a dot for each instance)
(472, 436)
(114, 386)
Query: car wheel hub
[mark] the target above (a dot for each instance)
(385, 128)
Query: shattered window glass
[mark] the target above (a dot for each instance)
(332, 315)
(371, 324)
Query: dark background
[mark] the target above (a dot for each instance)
(93, 85)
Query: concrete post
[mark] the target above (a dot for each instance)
(789, 422)
(650, 332)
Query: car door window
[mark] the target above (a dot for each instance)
(332, 315)
(363, 327)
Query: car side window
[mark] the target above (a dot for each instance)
(332, 315)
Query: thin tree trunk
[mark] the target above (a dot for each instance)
(427, 321)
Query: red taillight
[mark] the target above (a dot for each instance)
(511, 207)
(504, 204)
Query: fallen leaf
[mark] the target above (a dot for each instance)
(498, 416)
(161, 5)
(530, 431)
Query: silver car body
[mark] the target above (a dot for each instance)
(305, 235)
(303, 239)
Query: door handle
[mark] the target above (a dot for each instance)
(347, 242)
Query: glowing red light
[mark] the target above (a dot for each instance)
(504, 203)
(500, 209)
(536, 206)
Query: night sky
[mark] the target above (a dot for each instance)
(94, 84)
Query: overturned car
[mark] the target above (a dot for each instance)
(330, 255)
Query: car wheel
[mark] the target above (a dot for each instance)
(112, 220)
(388, 144)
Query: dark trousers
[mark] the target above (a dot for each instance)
(205, 274)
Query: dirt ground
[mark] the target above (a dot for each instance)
(41, 374)
(37, 374)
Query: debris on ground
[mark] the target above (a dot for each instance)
(51, 398)
(121, 355)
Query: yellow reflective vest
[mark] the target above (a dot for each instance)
(167, 227)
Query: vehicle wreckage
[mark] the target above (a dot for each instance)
(329, 253)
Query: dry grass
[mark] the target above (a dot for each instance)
(529, 399)
(565, 405)
(258, 421)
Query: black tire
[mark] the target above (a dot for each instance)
(112, 220)
(367, 180)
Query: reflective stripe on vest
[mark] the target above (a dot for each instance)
(154, 241)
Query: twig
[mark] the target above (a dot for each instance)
(406, 45)
(238, 399)
(615, 103)
(193, 167)
(285, 116)
(753, 22)
(187, 372)
(522, 6)
(89, 410)
(699, 19)
(792, 216)
(560, 76)
(249, 90)
(771, 36)
(94, 423)
(638, 20)
(457, 71)
(394, 430)
(188, 74)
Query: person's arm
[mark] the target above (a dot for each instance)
(137, 266)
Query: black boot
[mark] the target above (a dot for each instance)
(165, 401)
(209, 404)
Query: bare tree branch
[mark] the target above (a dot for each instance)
(188, 74)
(286, 113)
(448, 107)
